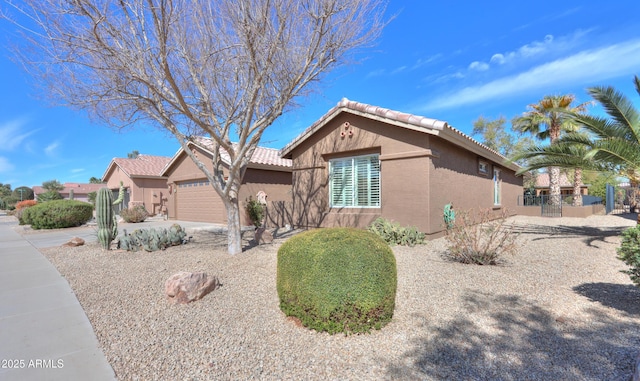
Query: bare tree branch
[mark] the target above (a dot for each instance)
(224, 69)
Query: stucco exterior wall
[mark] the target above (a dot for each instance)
(150, 192)
(419, 174)
(193, 198)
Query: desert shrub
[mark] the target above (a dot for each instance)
(11, 202)
(25, 204)
(50, 195)
(394, 234)
(135, 214)
(477, 237)
(629, 253)
(3, 204)
(57, 214)
(337, 280)
(255, 211)
(21, 207)
(152, 239)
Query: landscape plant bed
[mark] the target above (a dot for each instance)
(559, 309)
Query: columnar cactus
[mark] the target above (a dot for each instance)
(106, 219)
(120, 194)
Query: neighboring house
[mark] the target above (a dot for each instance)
(192, 197)
(80, 191)
(566, 186)
(143, 180)
(359, 162)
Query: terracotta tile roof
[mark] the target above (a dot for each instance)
(78, 188)
(143, 165)
(542, 181)
(397, 118)
(261, 155)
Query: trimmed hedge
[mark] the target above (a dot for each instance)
(57, 214)
(337, 280)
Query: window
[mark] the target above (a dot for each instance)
(355, 182)
(483, 168)
(497, 187)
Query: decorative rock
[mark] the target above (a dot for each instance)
(262, 235)
(185, 287)
(636, 367)
(75, 241)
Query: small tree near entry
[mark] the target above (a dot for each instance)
(222, 69)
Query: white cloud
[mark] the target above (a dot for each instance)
(12, 134)
(77, 170)
(5, 165)
(376, 73)
(583, 68)
(498, 58)
(423, 61)
(479, 66)
(50, 150)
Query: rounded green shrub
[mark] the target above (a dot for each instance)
(57, 214)
(337, 280)
(629, 253)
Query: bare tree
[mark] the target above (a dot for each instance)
(225, 69)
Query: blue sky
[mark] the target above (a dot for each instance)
(452, 61)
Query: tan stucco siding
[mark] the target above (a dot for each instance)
(401, 152)
(455, 178)
(420, 173)
(200, 202)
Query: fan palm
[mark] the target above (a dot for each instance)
(548, 119)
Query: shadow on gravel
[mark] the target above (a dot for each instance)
(622, 297)
(589, 234)
(502, 337)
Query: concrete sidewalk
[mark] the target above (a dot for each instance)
(44, 333)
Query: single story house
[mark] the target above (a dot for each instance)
(79, 191)
(359, 162)
(142, 177)
(191, 197)
(566, 186)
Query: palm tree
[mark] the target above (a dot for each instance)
(548, 119)
(617, 137)
(570, 152)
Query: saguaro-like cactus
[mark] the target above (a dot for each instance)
(107, 224)
(120, 195)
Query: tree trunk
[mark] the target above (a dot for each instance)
(554, 186)
(577, 187)
(234, 228)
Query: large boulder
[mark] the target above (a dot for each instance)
(73, 242)
(185, 287)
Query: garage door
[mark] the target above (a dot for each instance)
(198, 201)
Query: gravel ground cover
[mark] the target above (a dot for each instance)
(558, 310)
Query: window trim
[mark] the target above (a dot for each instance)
(354, 179)
(497, 187)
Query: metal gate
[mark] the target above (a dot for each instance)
(547, 208)
(621, 200)
(551, 209)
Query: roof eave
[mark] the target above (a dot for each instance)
(463, 141)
